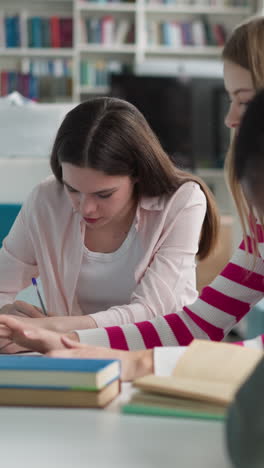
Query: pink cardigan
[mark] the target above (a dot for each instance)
(47, 236)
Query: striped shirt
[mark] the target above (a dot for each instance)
(219, 307)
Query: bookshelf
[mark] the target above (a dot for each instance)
(107, 36)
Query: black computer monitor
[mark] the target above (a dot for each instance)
(166, 104)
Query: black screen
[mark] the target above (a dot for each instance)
(166, 104)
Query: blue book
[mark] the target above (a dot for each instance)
(12, 81)
(36, 25)
(16, 31)
(166, 33)
(57, 373)
(9, 31)
(33, 92)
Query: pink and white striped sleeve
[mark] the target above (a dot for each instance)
(220, 306)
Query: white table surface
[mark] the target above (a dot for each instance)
(69, 438)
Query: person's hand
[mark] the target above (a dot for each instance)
(133, 363)
(21, 310)
(25, 336)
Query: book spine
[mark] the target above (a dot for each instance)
(46, 34)
(36, 24)
(66, 27)
(107, 30)
(55, 31)
(4, 86)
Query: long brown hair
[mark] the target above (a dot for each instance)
(245, 48)
(112, 136)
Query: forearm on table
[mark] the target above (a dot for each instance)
(68, 324)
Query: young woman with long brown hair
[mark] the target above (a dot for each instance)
(231, 295)
(114, 233)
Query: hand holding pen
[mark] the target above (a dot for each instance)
(35, 284)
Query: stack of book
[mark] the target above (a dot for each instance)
(203, 383)
(61, 382)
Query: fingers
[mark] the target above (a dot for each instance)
(29, 336)
(10, 323)
(9, 326)
(21, 309)
(32, 339)
(23, 335)
(27, 310)
(71, 341)
(5, 332)
(8, 347)
(6, 309)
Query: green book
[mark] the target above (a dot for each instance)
(150, 404)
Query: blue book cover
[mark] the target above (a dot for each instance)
(12, 81)
(36, 24)
(47, 372)
(16, 31)
(44, 363)
(166, 33)
(33, 87)
(9, 32)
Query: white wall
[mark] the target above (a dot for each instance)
(19, 176)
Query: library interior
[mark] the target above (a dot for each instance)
(167, 58)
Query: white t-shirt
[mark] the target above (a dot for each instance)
(108, 279)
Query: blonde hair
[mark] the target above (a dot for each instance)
(245, 48)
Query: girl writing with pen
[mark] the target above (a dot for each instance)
(244, 430)
(114, 233)
(143, 346)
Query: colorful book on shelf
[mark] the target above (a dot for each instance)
(66, 29)
(122, 29)
(36, 31)
(46, 32)
(43, 371)
(10, 33)
(219, 34)
(107, 29)
(209, 34)
(202, 385)
(55, 31)
(4, 83)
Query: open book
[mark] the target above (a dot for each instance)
(203, 383)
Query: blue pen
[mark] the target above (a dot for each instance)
(35, 284)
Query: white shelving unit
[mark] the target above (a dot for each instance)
(36, 52)
(138, 12)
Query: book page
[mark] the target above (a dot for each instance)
(164, 401)
(217, 362)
